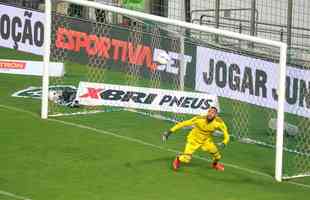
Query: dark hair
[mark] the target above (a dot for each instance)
(213, 107)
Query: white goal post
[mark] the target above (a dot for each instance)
(282, 62)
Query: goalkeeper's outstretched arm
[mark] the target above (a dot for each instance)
(177, 127)
(183, 124)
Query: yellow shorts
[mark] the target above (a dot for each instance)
(192, 145)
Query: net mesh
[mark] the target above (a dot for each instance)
(104, 47)
(269, 21)
(297, 138)
(100, 46)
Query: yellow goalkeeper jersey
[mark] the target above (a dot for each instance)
(202, 129)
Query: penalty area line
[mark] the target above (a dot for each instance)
(152, 145)
(170, 150)
(15, 196)
(149, 144)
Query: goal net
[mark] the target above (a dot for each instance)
(128, 58)
(101, 46)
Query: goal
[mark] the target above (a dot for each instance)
(109, 52)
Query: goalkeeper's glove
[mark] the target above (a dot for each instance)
(165, 136)
(221, 145)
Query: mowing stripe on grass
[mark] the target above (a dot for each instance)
(149, 144)
(8, 194)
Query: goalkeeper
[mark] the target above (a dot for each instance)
(201, 137)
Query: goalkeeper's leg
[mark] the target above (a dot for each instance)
(211, 148)
(186, 156)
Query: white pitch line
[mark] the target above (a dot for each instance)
(5, 193)
(20, 110)
(298, 184)
(149, 144)
(170, 150)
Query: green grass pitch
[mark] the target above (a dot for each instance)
(118, 156)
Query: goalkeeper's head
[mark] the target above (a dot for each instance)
(212, 113)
